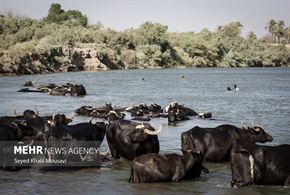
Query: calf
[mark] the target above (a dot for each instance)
(261, 165)
(170, 167)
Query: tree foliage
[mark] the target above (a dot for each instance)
(35, 42)
(59, 16)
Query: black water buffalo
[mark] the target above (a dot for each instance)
(129, 139)
(105, 112)
(77, 90)
(176, 112)
(152, 110)
(82, 135)
(260, 165)
(53, 89)
(26, 114)
(31, 90)
(185, 110)
(31, 120)
(57, 91)
(84, 110)
(113, 116)
(204, 115)
(170, 167)
(28, 84)
(59, 130)
(10, 135)
(15, 131)
(216, 143)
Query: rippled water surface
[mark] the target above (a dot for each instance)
(264, 97)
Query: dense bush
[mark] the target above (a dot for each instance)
(34, 42)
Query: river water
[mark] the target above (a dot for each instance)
(264, 98)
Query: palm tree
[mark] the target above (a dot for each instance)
(280, 30)
(271, 26)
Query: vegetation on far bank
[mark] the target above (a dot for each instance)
(64, 41)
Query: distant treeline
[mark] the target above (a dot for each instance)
(64, 41)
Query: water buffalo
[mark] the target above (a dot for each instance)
(57, 91)
(129, 139)
(105, 112)
(31, 90)
(53, 89)
(82, 135)
(260, 165)
(170, 167)
(152, 110)
(28, 84)
(84, 110)
(81, 131)
(26, 114)
(176, 112)
(204, 115)
(10, 135)
(30, 119)
(15, 131)
(77, 90)
(216, 143)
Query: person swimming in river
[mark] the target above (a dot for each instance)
(235, 88)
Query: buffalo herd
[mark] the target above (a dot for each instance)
(136, 140)
(53, 89)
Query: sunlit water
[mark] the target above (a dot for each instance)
(264, 98)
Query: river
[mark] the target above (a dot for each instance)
(264, 98)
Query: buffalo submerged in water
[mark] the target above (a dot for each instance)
(130, 139)
(170, 167)
(260, 165)
(215, 144)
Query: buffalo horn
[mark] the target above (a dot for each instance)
(115, 113)
(14, 111)
(30, 144)
(53, 115)
(89, 107)
(141, 126)
(150, 132)
(71, 115)
(257, 127)
(36, 112)
(243, 125)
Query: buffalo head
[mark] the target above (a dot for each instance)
(258, 133)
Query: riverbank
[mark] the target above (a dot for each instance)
(30, 46)
(64, 59)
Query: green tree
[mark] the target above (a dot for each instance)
(271, 27)
(280, 30)
(54, 14)
(232, 29)
(153, 34)
(59, 16)
(251, 36)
